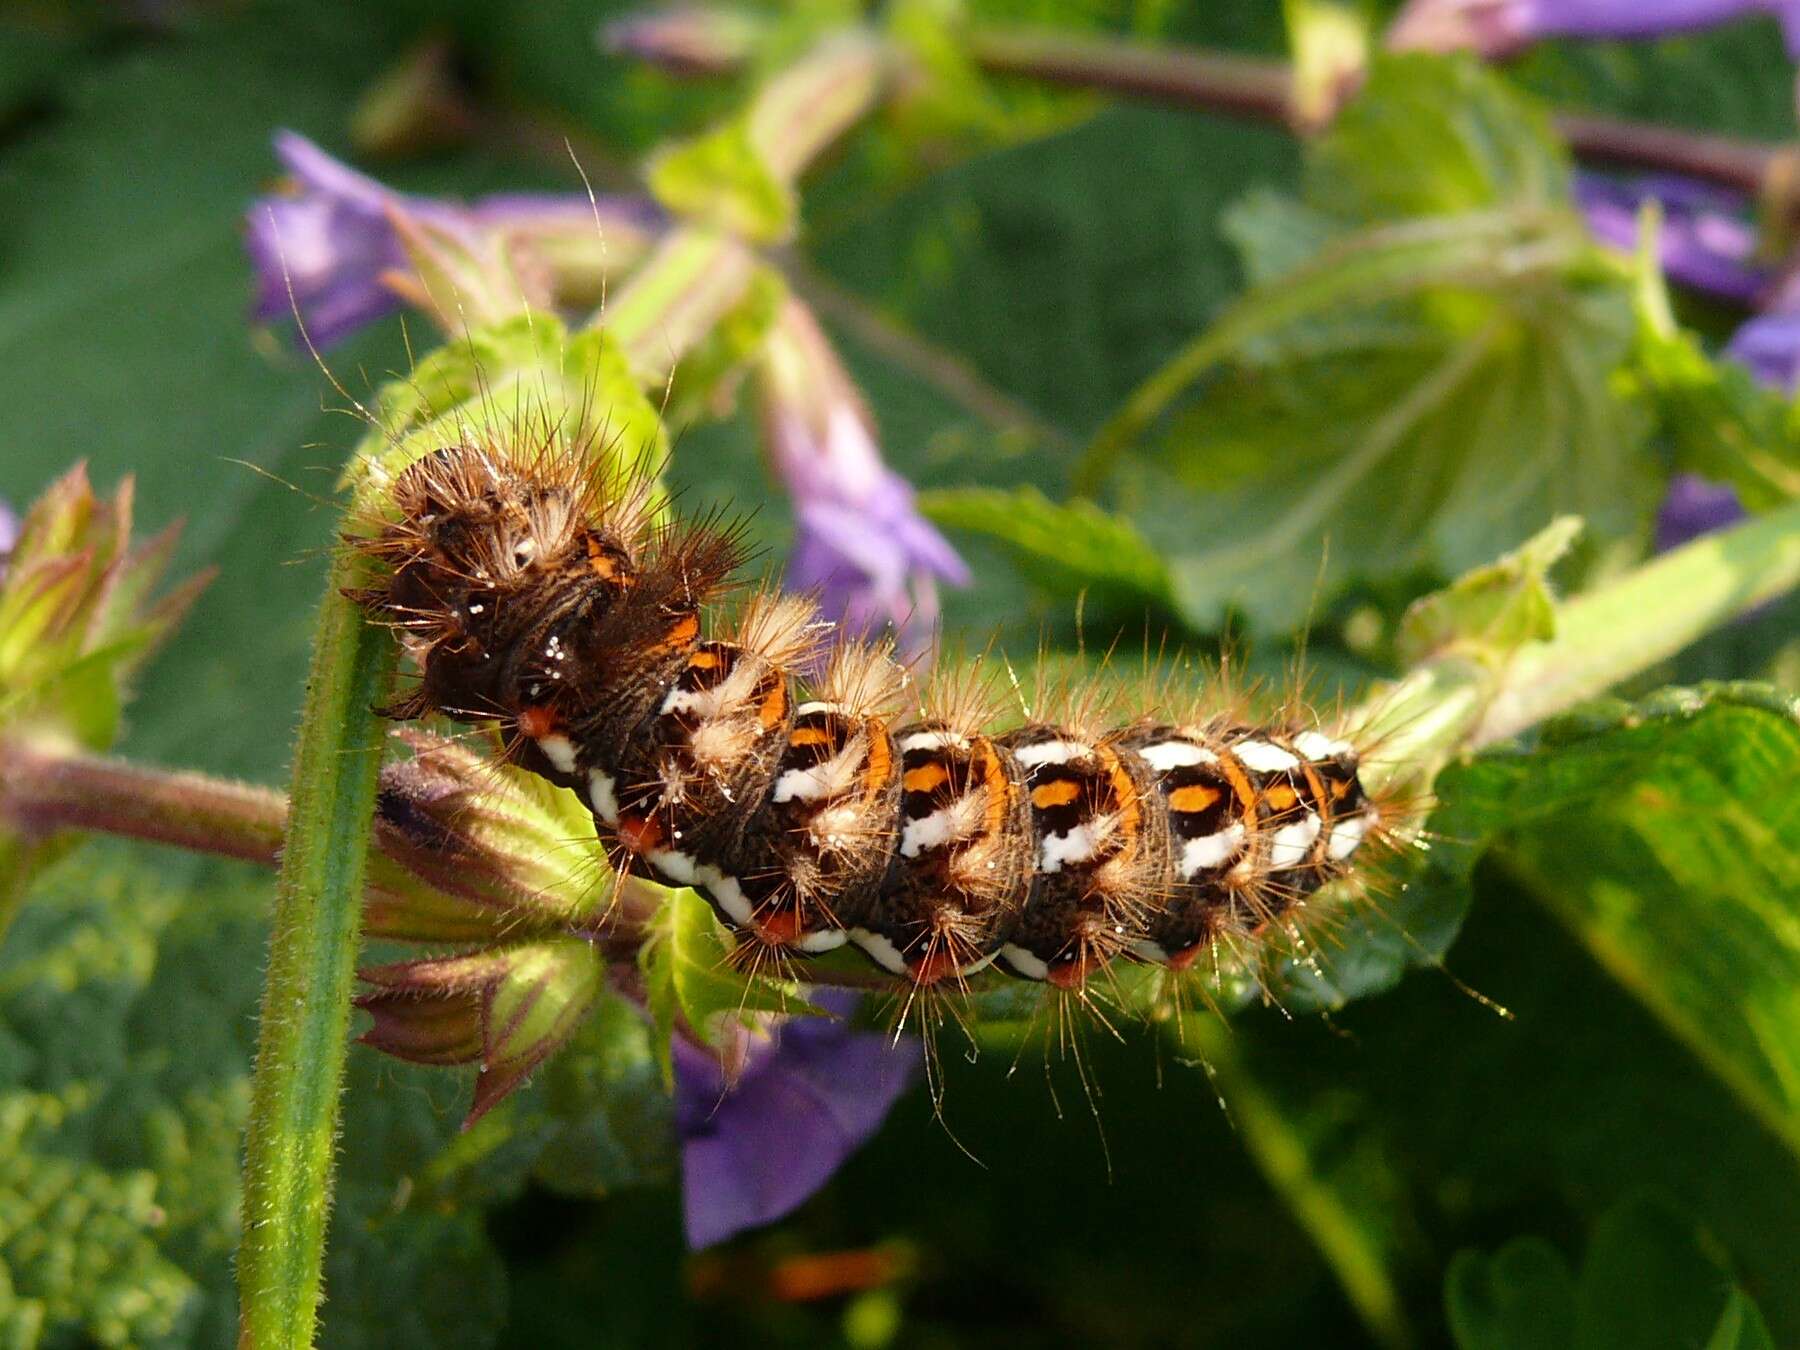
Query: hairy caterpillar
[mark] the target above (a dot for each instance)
(811, 809)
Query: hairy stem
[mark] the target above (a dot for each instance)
(1253, 87)
(1261, 89)
(289, 1153)
(43, 791)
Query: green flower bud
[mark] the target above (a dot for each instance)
(507, 1009)
(76, 619)
(520, 852)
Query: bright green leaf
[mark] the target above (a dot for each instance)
(1494, 610)
(1067, 548)
(690, 978)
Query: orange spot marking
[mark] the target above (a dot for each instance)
(1069, 974)
(1125, 793)
(601, 565)
(782, 927)
(1060, 793)
(936, 966)
(537, 721)
(999, 787)
(640, 834)
(1340, 789)
(682, 632)
(1317, 788)
(1195, 798)
(703, 660)
(810, 736)
(925, 778)
(1240, 785)
(1281, 797)
(774, 706)
(881, 759)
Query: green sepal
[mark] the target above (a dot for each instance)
(721, 178)
(1490, 612)
(691, 983)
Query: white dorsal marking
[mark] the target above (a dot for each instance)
(1210, 851)
(1052, 752)
(934, 740)
(1317, 745)
(560, 751)
(603, 796)
(1166, 755)
(1291, 845)
(1261, 757)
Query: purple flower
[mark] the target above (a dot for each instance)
(1694, 506)
(1497, 28)
(336, 238)
(754, 1149)
(861, 541)
(1769, 344)
(9, 535)
(1706, 238)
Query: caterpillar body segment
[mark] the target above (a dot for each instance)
(813, 812)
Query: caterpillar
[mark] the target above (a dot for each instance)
(784, 777)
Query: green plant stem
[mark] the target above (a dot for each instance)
(1455, 703)
(288, 1161)
(690, 281)
(1626, 627)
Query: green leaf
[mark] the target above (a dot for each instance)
(1422, 375)
(1651, 1279)
(1640, 827)
(1435, 136)
(1717, 420)
(1741, 1326)
(1067, 548)
(1520, 1298)
(691, 980)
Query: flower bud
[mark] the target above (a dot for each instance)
(522, 853)
(860, 540)
(686, 41)
(76, 619)
(506, 1009)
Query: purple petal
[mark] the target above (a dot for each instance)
(1769, 345)
(320, 254)
(861, 542)
(756, 1151)
(1636, 18)
(1706, 240)
(1498, 28)
(322, 250)
(9, 535)
(1695, 506)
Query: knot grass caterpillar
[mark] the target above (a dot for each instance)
(785, 779)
